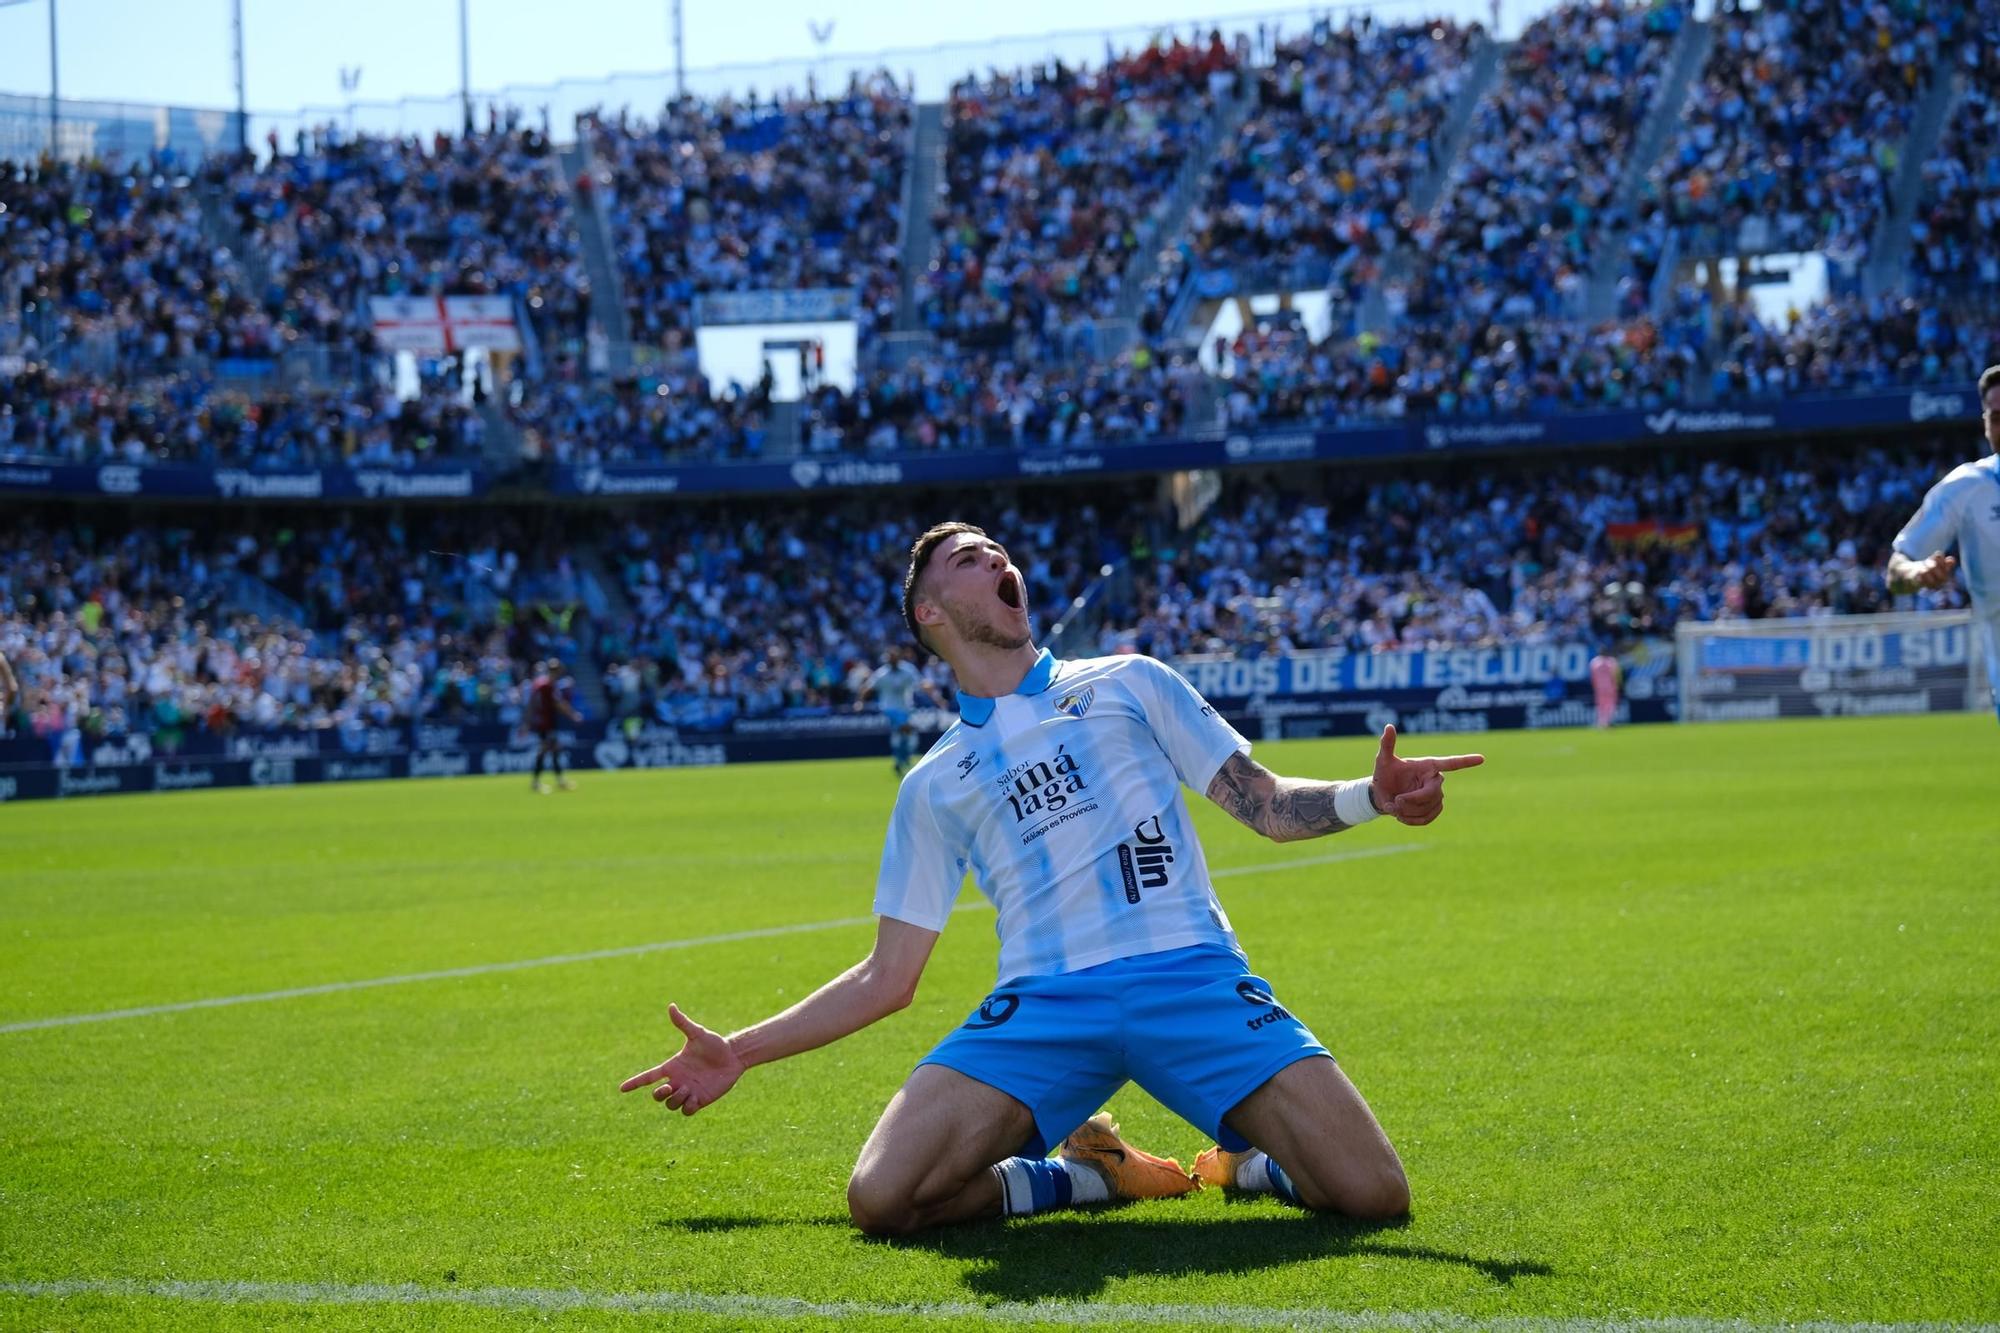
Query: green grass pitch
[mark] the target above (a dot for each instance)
(1696, 1024)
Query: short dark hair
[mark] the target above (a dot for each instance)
(920, 555)
(1987, 380)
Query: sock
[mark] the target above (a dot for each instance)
(1037, 1184)
(538, 769)
(1258, 1172)
(556, 759)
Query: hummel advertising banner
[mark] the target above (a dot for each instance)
(178, 482)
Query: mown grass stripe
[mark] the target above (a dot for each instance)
(590, 956)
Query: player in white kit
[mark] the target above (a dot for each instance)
(895, 685)
(1963, 510)
(1060, 790)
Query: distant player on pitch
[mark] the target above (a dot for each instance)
(1059, 788)
(547, 708)
(1963, 510)
(895, 685)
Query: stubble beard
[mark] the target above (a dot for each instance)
(970, 629)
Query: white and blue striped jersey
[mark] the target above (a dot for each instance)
(1064, 801)
(1964, 508)
(895, 685)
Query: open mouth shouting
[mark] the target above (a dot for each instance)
(1012, 595)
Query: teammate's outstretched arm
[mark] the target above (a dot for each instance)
(1286, 809)
(1907, 575)
(708, 1064)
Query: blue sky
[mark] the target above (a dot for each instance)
(178, 52)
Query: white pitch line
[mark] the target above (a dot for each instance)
(594, 955)
(546, 1300)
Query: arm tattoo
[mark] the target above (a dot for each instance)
(1242, 787)
(1282, 809)
(1304, 810)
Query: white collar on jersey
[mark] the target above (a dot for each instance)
(976, 709)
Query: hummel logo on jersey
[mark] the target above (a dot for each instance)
(966, 765)
(1145, 865)
(1078, 703)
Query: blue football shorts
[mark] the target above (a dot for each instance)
(898, 717)
(1193, 1027)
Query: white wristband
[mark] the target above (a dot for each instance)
(1351, 802)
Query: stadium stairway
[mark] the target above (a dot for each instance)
(920, 187)
(1485, 68)
(223, 232)
(1424, 196)
(1889, 248)
(1684, 65)
(607, 294)
(1169, 220)
(782, 439)
(502, 438)
(616, 610)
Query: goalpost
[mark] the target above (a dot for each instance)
(1830, 666)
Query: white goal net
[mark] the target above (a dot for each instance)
(1830, 666)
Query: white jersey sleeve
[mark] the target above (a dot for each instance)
(1194, 736)
(1934, 527)
(921, 869)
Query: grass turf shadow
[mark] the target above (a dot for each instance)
(1074, 1258)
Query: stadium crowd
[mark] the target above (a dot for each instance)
(485, 213)
(162, 630)
(1515, 232)
(750, 610)
(1791, 136)
(743, 196)
(1595, 552)
(1053, 176)
(1953, 242)
(114, 258)
(47, 415)
(1273, 372)
(983, 402)
(1346, 123)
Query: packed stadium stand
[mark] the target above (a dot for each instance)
(1373, 336)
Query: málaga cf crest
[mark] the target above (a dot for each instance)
(1078, 703)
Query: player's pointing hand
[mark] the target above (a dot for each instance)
(1413, 789)
(702, 1071)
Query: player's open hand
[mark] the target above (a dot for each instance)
(703, 1070)
(1413, 789)
(1935, 572)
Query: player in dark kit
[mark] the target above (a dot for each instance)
(546, 706)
